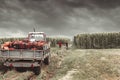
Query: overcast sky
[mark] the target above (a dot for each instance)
(58, 17)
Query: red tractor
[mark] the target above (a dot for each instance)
(27, 53)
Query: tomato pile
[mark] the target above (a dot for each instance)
(37, 45)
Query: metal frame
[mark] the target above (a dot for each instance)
(21, 52)
(22, 64)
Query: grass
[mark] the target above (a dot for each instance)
(90, 65)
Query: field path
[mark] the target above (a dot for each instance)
(69, 74)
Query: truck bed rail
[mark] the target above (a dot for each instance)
(22, 54)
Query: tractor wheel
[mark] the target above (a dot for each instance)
(37, 70)
(46, 60)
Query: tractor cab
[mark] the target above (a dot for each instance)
(36, 36)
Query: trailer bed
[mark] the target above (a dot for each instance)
(24, 54)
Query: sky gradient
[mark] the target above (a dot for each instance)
(58, 17)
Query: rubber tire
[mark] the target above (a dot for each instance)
(37, 70)
(46, 61)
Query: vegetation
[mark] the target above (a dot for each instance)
(97, 41)
(54, 41)
(89, 65)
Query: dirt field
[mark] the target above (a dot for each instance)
(73, 64)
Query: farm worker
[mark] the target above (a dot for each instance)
(60, 44)
(66, 45)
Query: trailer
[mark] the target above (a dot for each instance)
(31, 52)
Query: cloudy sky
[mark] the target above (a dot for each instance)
(58, 17)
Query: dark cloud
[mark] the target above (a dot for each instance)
(59, 17)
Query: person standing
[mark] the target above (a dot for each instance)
(60, 44)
